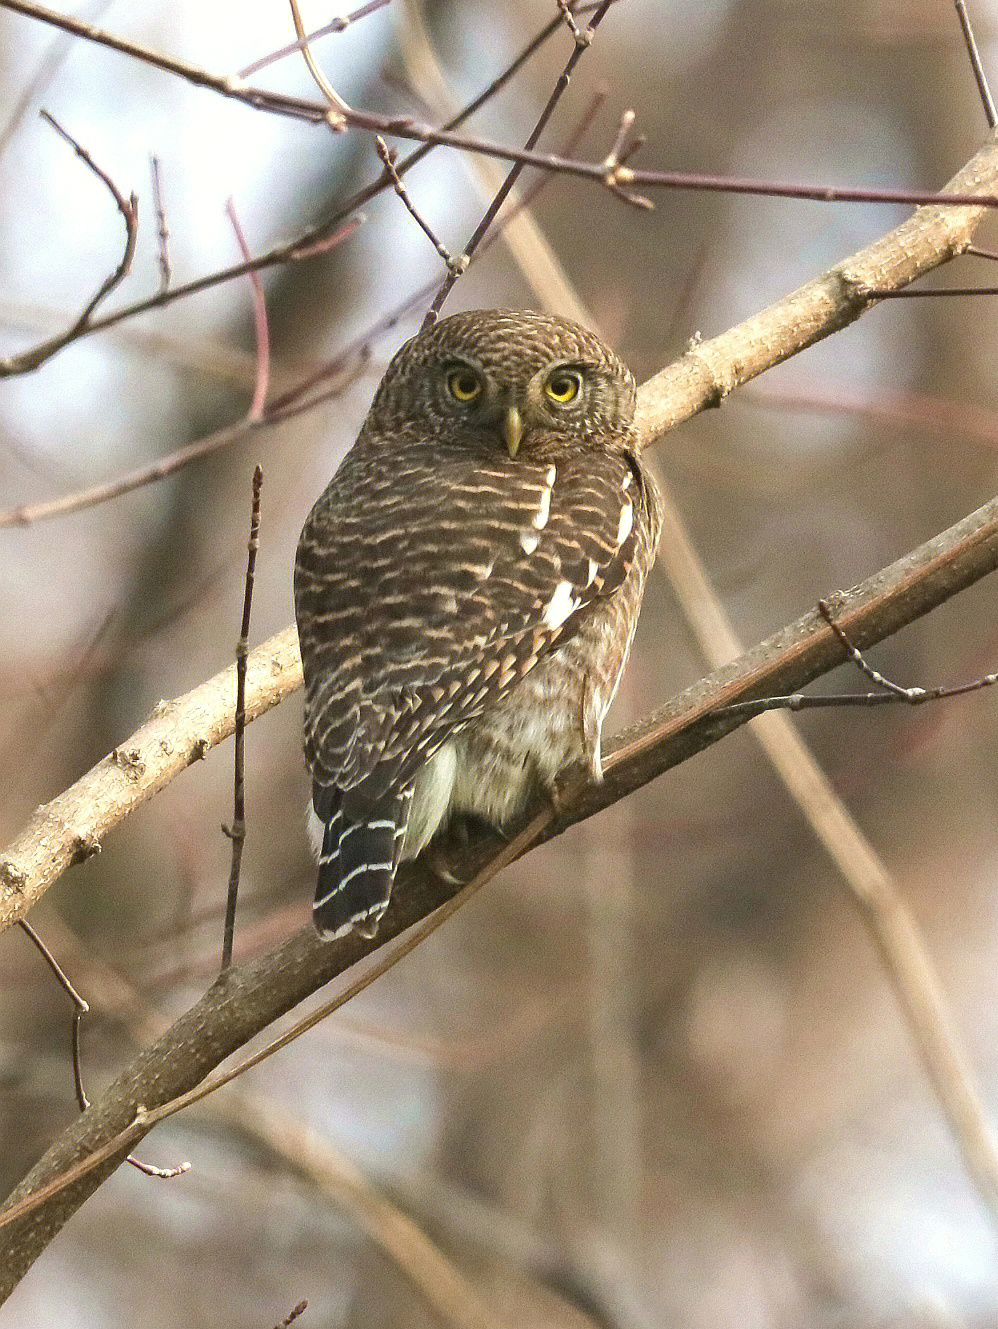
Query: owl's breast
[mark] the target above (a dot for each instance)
(550, 720)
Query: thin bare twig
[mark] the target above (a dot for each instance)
(801, 701)
(581, 36)
(162, 230)
(339, 24)
(128, 208)
(894, 408)
(977, 65)
(260, 324)
(947, 290)
(80, 1005)
(80, 1008)
(302, 1306)
(27, 513)
(237, 831)
(338, 111)
(491, 212)
(455, 266)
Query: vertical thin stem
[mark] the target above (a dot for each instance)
(237, 831)
(976, 64)
(582, 43)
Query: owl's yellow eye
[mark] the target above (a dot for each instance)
(464, 385)
(563, 386)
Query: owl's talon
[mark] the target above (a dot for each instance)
(555, 797)
(437, 863)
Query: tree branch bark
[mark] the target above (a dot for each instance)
(254, 994)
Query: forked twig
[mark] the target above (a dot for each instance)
(914, 696)
(892, 693)
(129, 210)
(616, 173)
(80, 1008)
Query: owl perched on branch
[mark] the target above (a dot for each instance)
(466, 591)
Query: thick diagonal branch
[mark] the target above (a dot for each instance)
(254, 994)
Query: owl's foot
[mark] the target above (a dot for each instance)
(563, 790)
(450, 849)
(438, 865)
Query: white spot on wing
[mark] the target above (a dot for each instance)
(593, 569)
(528, 541)
(627, 481)
(543, 508)
(626, 522)
(549, 479)
(561, 604)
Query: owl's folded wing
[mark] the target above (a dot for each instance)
(442, 622)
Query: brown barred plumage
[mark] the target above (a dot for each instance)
(466, 592)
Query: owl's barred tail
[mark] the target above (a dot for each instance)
(357, 866)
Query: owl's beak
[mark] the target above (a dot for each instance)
(512, 429)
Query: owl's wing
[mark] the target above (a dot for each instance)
(434, 600)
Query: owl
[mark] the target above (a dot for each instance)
(466, 591)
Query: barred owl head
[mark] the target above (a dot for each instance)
(527, 384)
